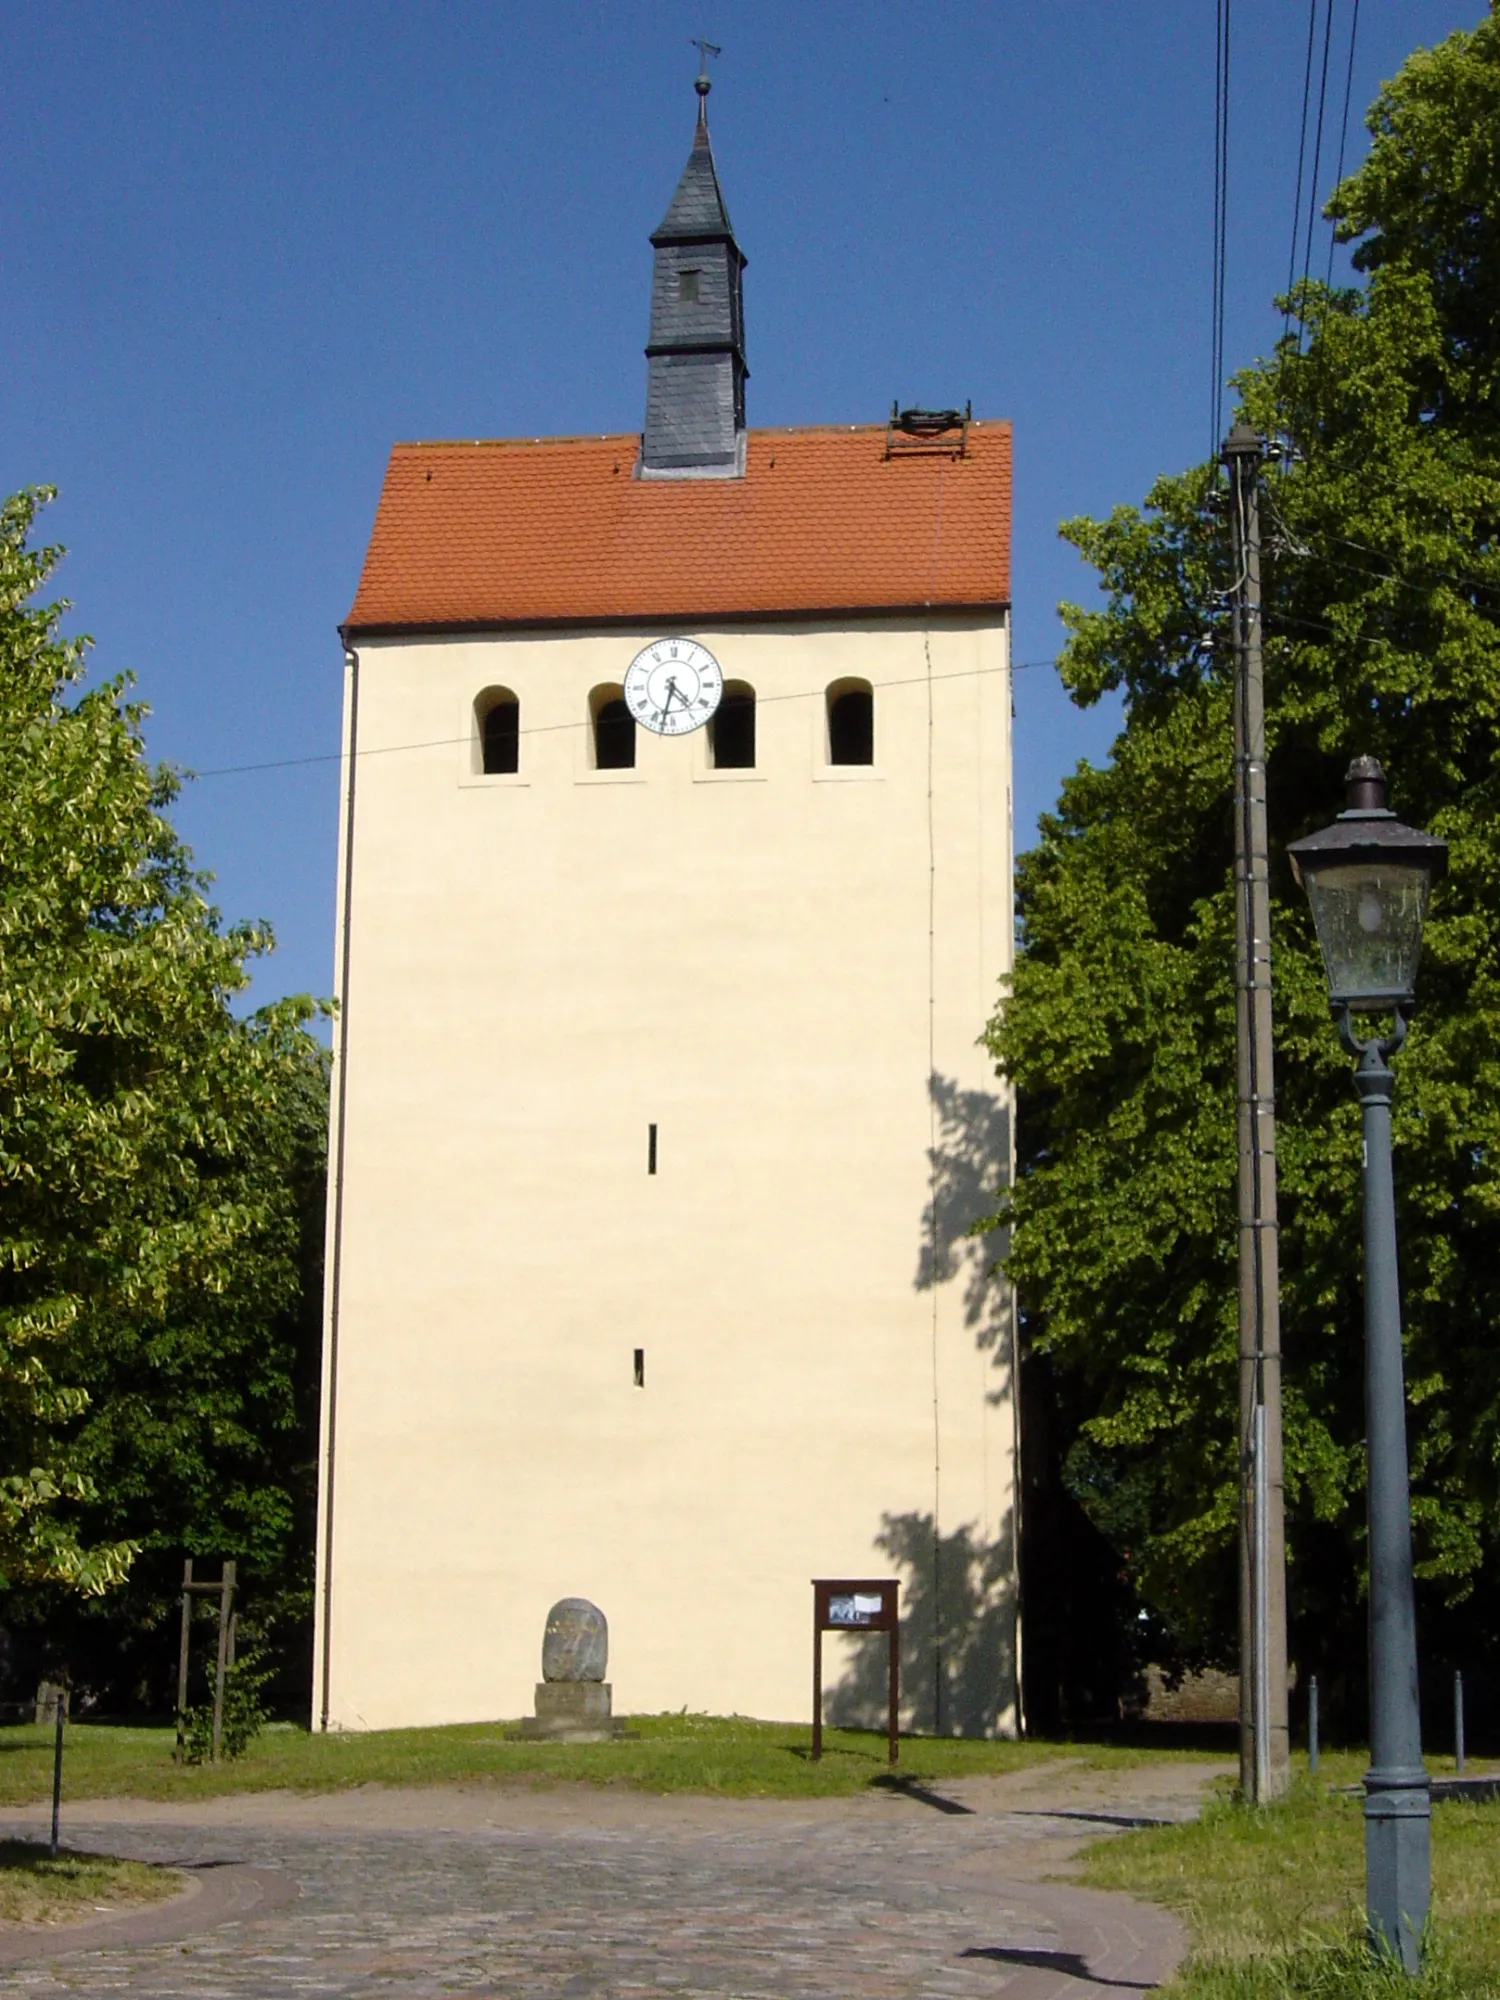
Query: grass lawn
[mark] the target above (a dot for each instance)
(1274, 1900)
(35, 1889)
(727, 1755)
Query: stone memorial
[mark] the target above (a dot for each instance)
(573, 1698)
(48, 1695)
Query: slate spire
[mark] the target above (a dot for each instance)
(695, 357)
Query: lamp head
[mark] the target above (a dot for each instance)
(1368, 879)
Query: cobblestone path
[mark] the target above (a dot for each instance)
(578, 1893)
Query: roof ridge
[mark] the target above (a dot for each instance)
(561, 437)
(632, 438)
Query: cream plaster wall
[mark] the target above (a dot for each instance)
(541, 966)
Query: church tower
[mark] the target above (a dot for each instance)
(674, 896)
(695, 358)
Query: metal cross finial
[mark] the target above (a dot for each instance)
(705, 50)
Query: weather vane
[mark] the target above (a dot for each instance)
(705, 50)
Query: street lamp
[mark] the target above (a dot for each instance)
(1368, 879)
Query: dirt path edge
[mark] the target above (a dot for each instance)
(213, 1893)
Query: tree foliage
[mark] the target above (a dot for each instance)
(1383, 621)
(159, 1155)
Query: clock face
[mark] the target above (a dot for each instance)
(673, 686)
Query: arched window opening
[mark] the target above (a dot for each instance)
(499, 716)
(613, 730)
(731, 729)
(851, 723)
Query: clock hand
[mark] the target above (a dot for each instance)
(666, 707)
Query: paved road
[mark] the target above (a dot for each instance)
(575, 1892)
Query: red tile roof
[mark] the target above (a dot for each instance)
(556, 530)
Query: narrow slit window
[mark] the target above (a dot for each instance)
(614, 730)
(851, 723)
(650, 1149)
(731, 732)
(499, 717)
(640, 1368)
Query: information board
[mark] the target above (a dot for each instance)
(848, 1604)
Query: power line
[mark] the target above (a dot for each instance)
(1447, 575)
(1316, 550)
(1317, 159)
(1298, 544)
(1291, 273)
(1406, 581)
(1343, 129)
(1358, 641)
(1272, 613)
(554, 728)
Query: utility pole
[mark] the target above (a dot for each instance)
(1265, 1765)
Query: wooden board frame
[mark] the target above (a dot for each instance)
(224, 1590)
(843, 1604)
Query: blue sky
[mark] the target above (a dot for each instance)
(246, 248)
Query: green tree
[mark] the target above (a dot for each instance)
(1383, 601)
(161, 1160)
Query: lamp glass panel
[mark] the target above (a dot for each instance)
(1369, 922)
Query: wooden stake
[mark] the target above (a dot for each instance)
(226, 1608)
(62, 1701)
(894, 1722)
(180, 1753)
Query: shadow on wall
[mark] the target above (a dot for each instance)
(958, 1595)
(958, 1621)
(970, 1167)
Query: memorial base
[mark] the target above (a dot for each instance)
(572, 1712)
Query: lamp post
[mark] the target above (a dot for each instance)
(1368, 879)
